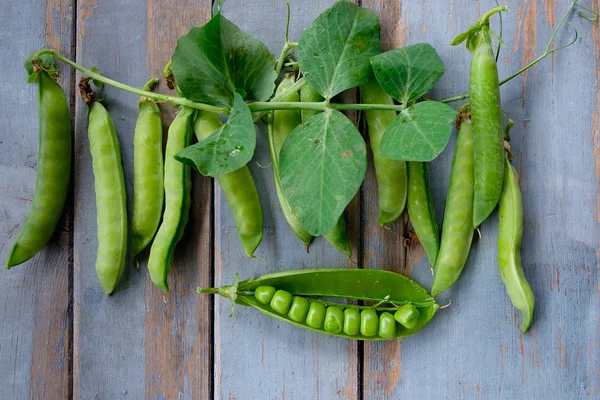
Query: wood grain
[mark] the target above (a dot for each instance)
(258, 357)
(35, 322)
(153, 344)
(178, 345)
(139, 344)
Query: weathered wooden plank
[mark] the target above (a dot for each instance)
(35, 323)
(138, 341)
(384, 247)
(258, 357)
(178, 346)
(474, 349)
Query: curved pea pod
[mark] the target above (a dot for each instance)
(284, 122)
(338, 237)
(488, 135)
(148, 171)
(177, 200)
(53, 172)
(510, 232)
(109, 185)
(457, 229)
(239, 190)
(420, 209)
(381, 287)
(391, 175)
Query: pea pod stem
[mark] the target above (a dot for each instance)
(151, 95)
(274, 104)
(288, 45)
(549, 50)
(254, 107)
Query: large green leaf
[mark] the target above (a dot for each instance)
(322, 165)
(227, 149)
(212, 62)
(334, 51)
(419, 133)
(409, 72)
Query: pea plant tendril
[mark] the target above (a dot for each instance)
(275, 104)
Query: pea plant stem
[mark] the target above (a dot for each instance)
(320, 106)
(262, 107)
(144, 93)
(287, 46)
(549, 49)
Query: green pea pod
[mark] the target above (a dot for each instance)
(178, 185)
(486, 115)
(53, 171)
(148, 171)
(420, 209)
(111, 207)
(309, 94)
(239, 189)
(510, 232)
(391, 175)
(378, 286)
(457, 229)
(284, 122)
(338, 237)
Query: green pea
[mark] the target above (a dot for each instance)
(334, 319)
(239, 189)
(387, 326)
(407, 316)
(391, 174)
(510, 233)
(351, 321)
(338, 237)
(281, 301)
(148, 170)
(486, 115)
(298, 309)
(178, 185)
(316, 315)
(369, 324)
(111, 209)
(420, 209)
(53, 171)
(264, 294)
(457, 230)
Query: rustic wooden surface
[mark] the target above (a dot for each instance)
(60, 337)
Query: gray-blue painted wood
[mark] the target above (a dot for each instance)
(257, 357)
(133, 345)
(137, 343)
(473, 349)
(35, 324)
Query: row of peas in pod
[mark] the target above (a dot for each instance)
(398, 306)
(350, 321)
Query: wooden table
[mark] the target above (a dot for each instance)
(61, 337)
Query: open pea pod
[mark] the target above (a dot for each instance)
(297, 297)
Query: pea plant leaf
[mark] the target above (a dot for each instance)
(227, 149)
(217, 6)
(322, 165)
(333, 53)
(216, 60)
(409, 72)
(419, 133)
